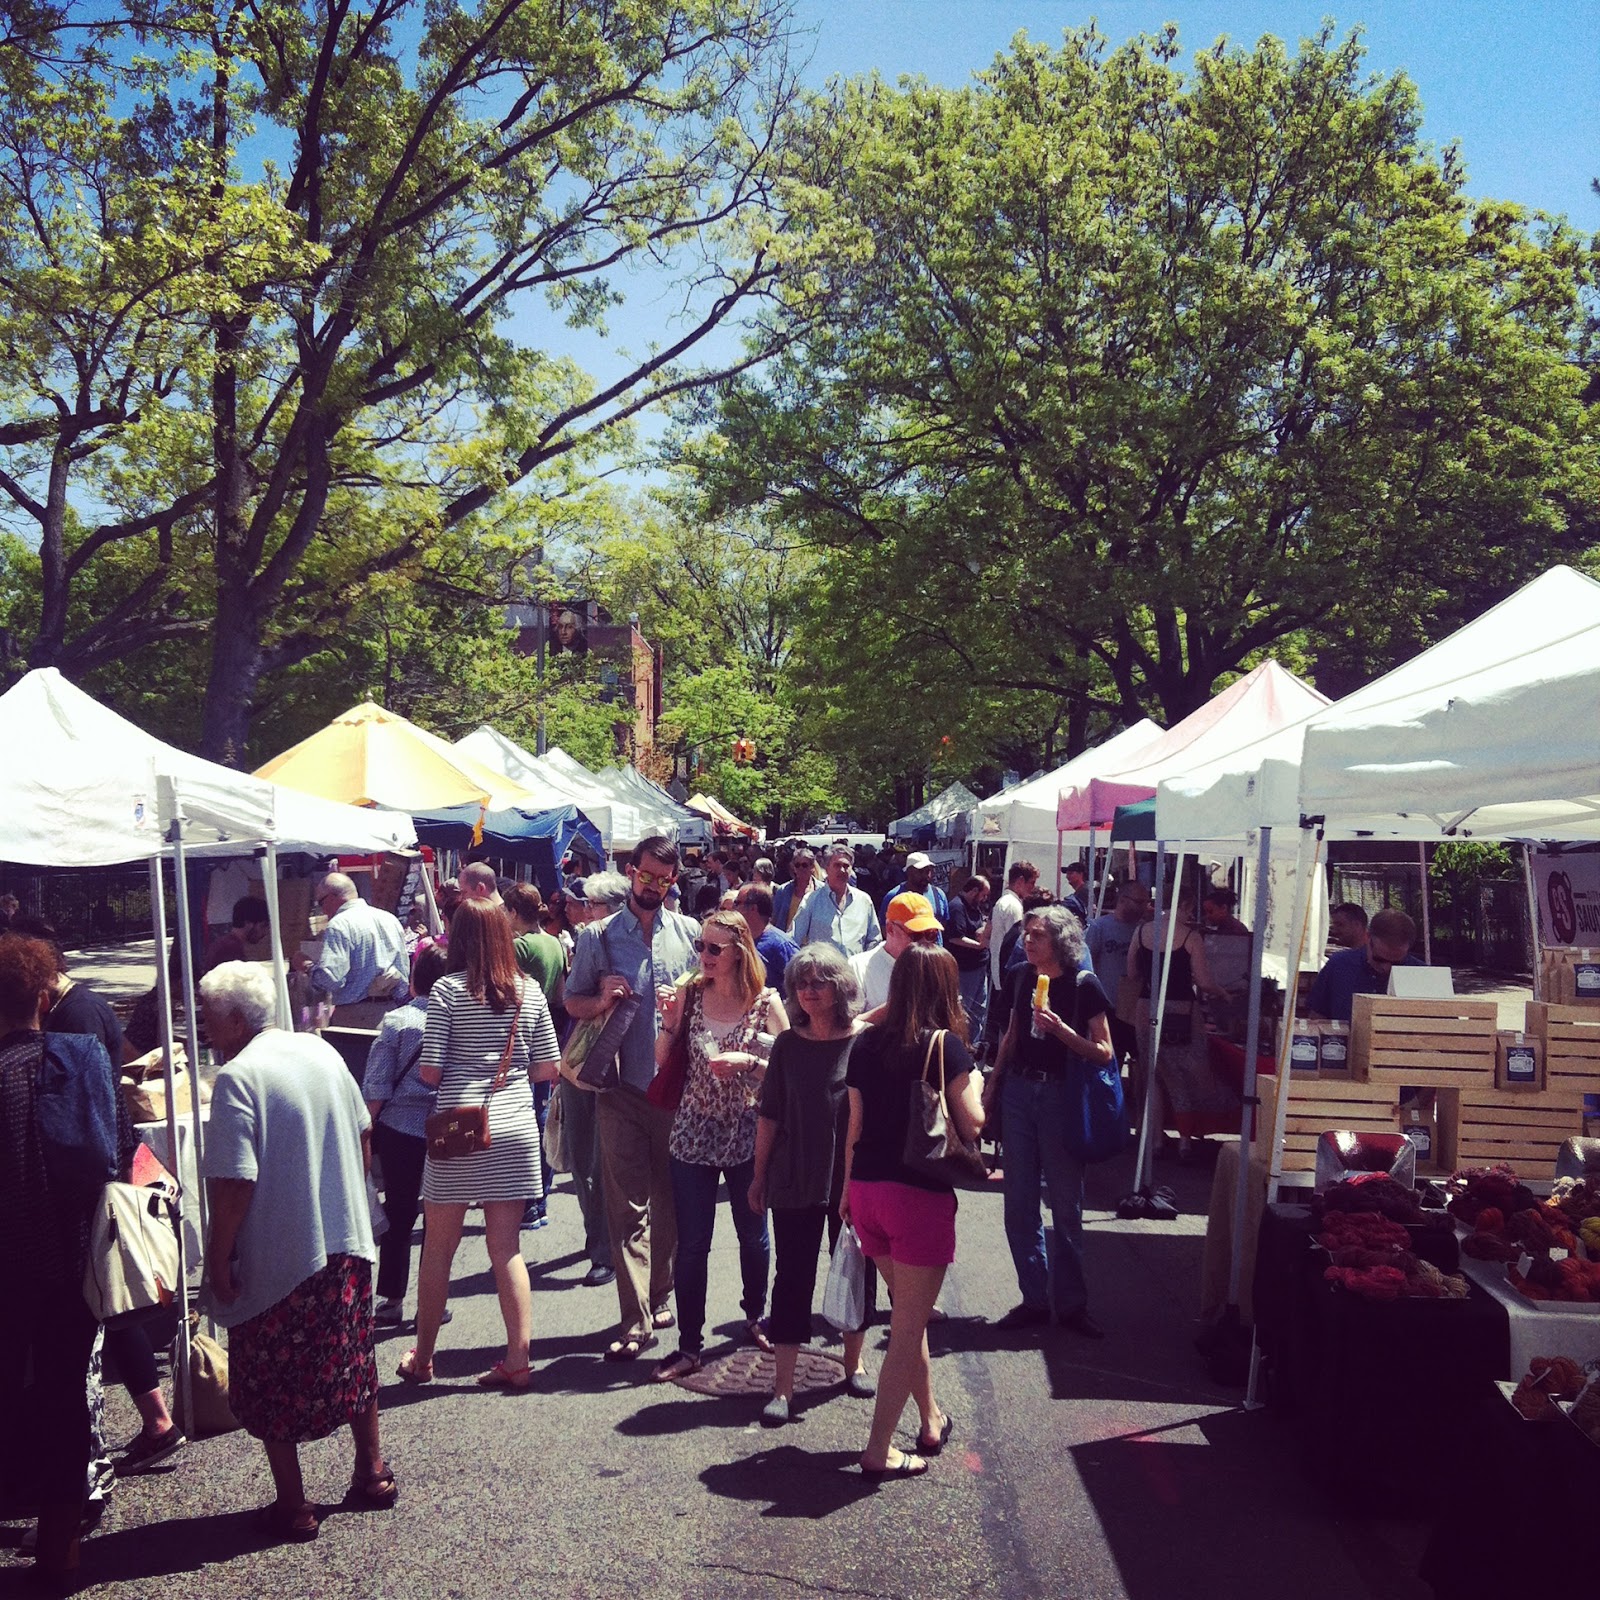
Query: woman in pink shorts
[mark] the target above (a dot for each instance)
(906, 1222)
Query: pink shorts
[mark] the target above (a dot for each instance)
(915, 1227)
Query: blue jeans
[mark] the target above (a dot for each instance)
(975, 999)
(1033, 1136)
(694, 1196)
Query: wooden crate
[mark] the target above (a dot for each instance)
(1569, 1040)
(1521, 1127)
(1430, 1044)
(1319, 1104)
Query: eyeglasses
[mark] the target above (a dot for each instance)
(712, 947)
(654, 880)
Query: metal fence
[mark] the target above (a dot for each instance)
(97, 905)
(1486, 926)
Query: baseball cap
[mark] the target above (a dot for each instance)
(918, 858)
(914, 913)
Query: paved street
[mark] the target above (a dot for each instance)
(1077, 1468)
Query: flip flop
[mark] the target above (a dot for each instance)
(681, 1365)
(414, 1371)
(629, 1349)
(271, 1522)
(932, 1447)
(908, 1466)
(662, 1318)
(376, 1493)
(500, 1376)
(755, 1332)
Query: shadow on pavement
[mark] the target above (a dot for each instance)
(793, 1482)
(684, 1414)
(177, 1544)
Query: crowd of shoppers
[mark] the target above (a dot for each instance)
(803, 1124)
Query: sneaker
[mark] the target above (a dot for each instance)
(776, 1412)
(145, 1452)
(533, 1215)
(1024, 1316)
(599, 1275)
(388, 1313)
(860, 1386)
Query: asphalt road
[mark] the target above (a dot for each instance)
(1077, 1468)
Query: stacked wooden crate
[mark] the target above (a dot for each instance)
(1318, 1104)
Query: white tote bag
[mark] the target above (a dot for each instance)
(133, 1250)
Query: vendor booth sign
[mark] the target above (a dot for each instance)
(1569, 897)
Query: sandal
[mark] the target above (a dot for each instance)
(932, 1447)
(500, 1376)
(908, 1466)
(295, 1527)
(413, 1370)
(631, 1348)
(682, 1365)
(662, 1318)
(755, 1331)
(377, 1492)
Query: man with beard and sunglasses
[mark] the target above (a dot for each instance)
(643, 949)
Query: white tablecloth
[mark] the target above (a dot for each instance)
(1536, 1333)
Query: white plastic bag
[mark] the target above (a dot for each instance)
(844, 1296)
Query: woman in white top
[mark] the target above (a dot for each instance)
(489, 1038)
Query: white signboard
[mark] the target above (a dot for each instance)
(1569, 897)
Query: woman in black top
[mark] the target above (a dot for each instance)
(906, 1221)
(799, 1161)
(1040, 1092)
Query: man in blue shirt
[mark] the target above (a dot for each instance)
(642, 949)
(837, 911)
(362, 967)
(1390, 936)
(773, 945)
(788, 898)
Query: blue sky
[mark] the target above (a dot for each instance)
(1516, 83)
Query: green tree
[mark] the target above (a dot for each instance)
(1106, 377)
(452, 168)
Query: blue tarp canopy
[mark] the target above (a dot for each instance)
(540, 838)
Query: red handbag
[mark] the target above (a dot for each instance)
(666, 1088)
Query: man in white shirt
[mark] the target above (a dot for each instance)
(837, 911)
(909, 920)
(1021, 881)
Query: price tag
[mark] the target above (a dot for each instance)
(1524, 1261)
(1558, 1255)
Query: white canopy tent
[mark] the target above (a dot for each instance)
(663, 814)
(1024, 816)
(943, 813)
(89, 788)
(555, 786)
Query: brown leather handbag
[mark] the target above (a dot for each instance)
(464, 1131)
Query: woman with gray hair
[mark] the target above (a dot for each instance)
(799, 1162)
(1040, 1098)
(289, 1259)
(606, 892)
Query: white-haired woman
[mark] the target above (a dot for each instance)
(290, 1255)
(1038, 1089)
(799, 1170)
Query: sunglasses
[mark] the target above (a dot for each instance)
(703, 946)
(654, 880)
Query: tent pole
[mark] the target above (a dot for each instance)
(1143, 1168)
(280, 972)
(1306, 864)
(1533, 920)
(191, 1023)
(1427, 919)
(1093, 905)
(1252, 1038)
(158, 916)
(1061, 844)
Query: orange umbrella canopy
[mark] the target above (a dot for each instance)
(373, 757)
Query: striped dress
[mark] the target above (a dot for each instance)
(465, 1041)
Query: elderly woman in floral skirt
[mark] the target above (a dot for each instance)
(290, 1256)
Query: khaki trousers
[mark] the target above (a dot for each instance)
(637, 1178)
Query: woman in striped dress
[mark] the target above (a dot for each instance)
(472, 1010)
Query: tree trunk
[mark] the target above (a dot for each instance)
(46, 648)
(231, 686)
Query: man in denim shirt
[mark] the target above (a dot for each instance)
(642, 949)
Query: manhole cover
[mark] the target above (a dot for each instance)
(749, 1371)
